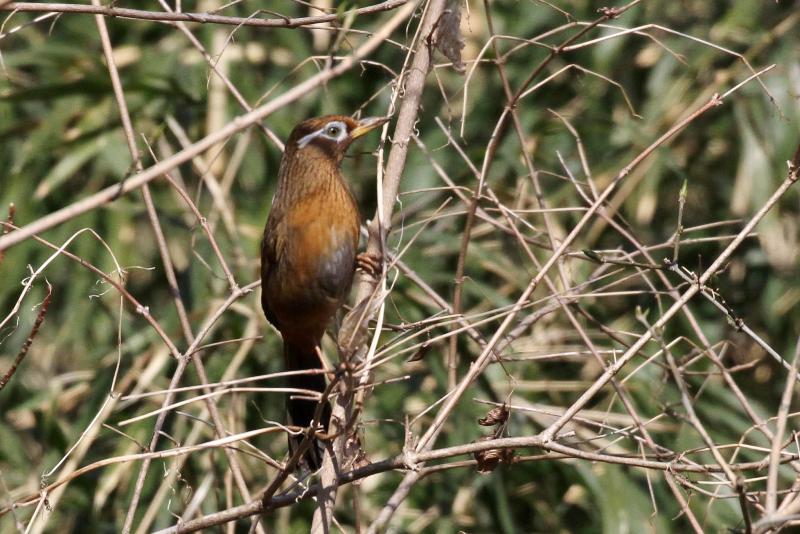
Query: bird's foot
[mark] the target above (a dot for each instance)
(371, 264)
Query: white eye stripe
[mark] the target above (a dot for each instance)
(334, 130)
(303, 141)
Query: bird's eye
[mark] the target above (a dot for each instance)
(332, 131)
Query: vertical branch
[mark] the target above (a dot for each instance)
(777, 439)
(412, 89)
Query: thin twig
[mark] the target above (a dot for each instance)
(200, 18)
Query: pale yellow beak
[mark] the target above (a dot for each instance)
(366, 125)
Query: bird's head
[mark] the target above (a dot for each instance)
(330, 135)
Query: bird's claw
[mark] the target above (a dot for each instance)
(371, 264)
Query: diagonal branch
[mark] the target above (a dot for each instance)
(237, 125)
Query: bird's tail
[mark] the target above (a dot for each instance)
(301, 412)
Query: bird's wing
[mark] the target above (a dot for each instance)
(335, 270)
(272, 246)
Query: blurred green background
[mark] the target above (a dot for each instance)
(61, 140)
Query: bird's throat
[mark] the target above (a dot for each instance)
(308, 173)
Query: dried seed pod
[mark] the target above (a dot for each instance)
(488, 460)
(496, 416)
(421, 353)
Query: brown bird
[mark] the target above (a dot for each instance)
(309, 252)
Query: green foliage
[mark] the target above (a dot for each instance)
(61, 141)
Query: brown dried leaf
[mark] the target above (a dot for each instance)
(448, 34)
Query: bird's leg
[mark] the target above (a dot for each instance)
(369, 263)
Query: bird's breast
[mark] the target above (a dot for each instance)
(318, 260)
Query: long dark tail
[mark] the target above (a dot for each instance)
(301, 412)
